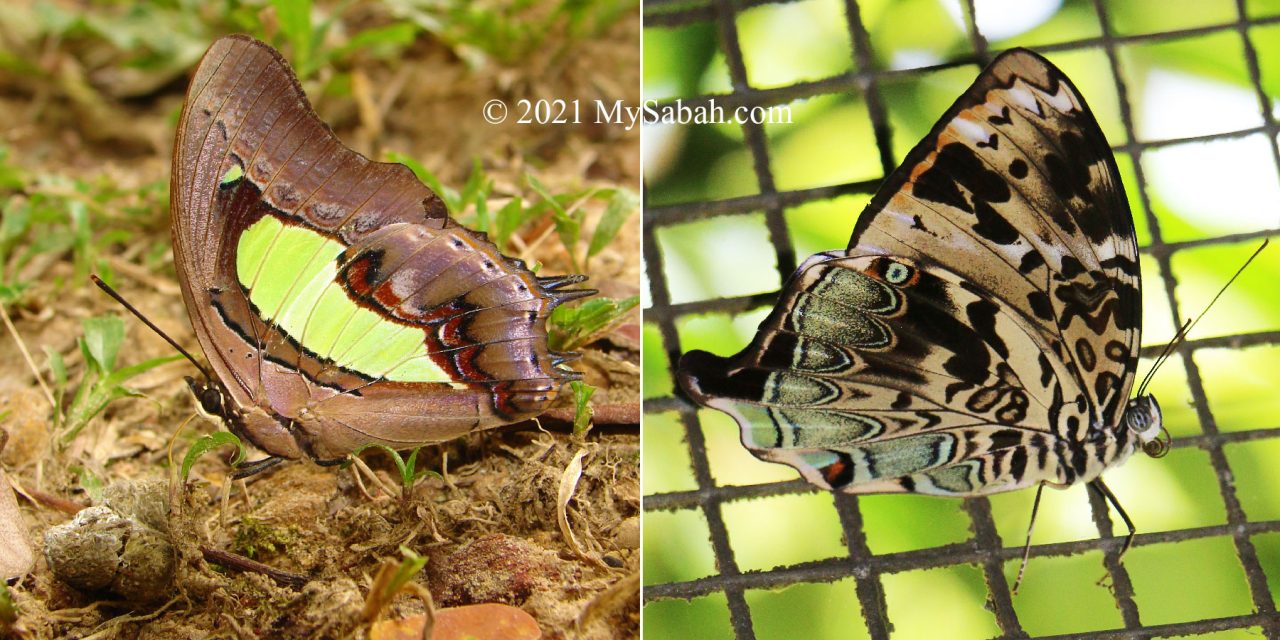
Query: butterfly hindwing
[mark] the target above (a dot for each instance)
(982, 324)
(872, 367)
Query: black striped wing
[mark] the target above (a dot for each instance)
(980, 332)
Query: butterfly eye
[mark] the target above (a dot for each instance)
(1136, 419)
(211, 401)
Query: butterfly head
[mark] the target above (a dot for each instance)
(1142, 417)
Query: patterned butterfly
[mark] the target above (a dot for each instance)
(338, 303)
(980, 334)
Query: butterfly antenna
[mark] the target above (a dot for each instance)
(138, 314)
(1164, 355)
(1186, 328)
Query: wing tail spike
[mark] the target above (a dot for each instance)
(551, 283)
(558, 358)
(561, 296)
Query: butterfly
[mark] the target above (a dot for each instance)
(979, 334)
(338, 304)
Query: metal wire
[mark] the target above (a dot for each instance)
(985, 548)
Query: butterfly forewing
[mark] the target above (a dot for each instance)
(981, 325)
(1017, 191)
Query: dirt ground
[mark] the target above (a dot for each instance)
(487, 524)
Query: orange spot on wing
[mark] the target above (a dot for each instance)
(833, 471)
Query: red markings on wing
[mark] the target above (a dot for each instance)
(834, 471)
(361, 273)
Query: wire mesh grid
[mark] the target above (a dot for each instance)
(985, 548)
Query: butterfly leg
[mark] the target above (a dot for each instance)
(257, 466)
(1101, 489)
(1026, 548)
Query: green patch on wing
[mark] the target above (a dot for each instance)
(291, 273)
(234, 173)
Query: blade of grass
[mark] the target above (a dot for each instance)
(621, 206)
(568, 226)
(582, 414)
(295, 23)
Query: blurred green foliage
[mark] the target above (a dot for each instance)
(1196, 84)
(102, 381)
(126, 49)
(45, 215)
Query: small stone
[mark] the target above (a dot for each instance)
(494, 568)
(101, 549)
(144, 500)
(146, 567)
(85, 553)
(627, 533)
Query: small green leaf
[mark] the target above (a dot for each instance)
(568, 223)
(409, 567)
(541, 189)
(90, 482)
(482, 211)
(582, 393)
(396, 458)
(475, 182)
(14, 223)
(120, 376)
(449, 196)
(382, 42)
(409, 473)
(12, 292)
(509, 218)
(571, 327)
(405, 467)
(8, 608)
(102, 338)
(295, 24)
(569, 230)
(56, 367)
(89, 401)
(11, 175)
(620, 207)
(206, 444)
